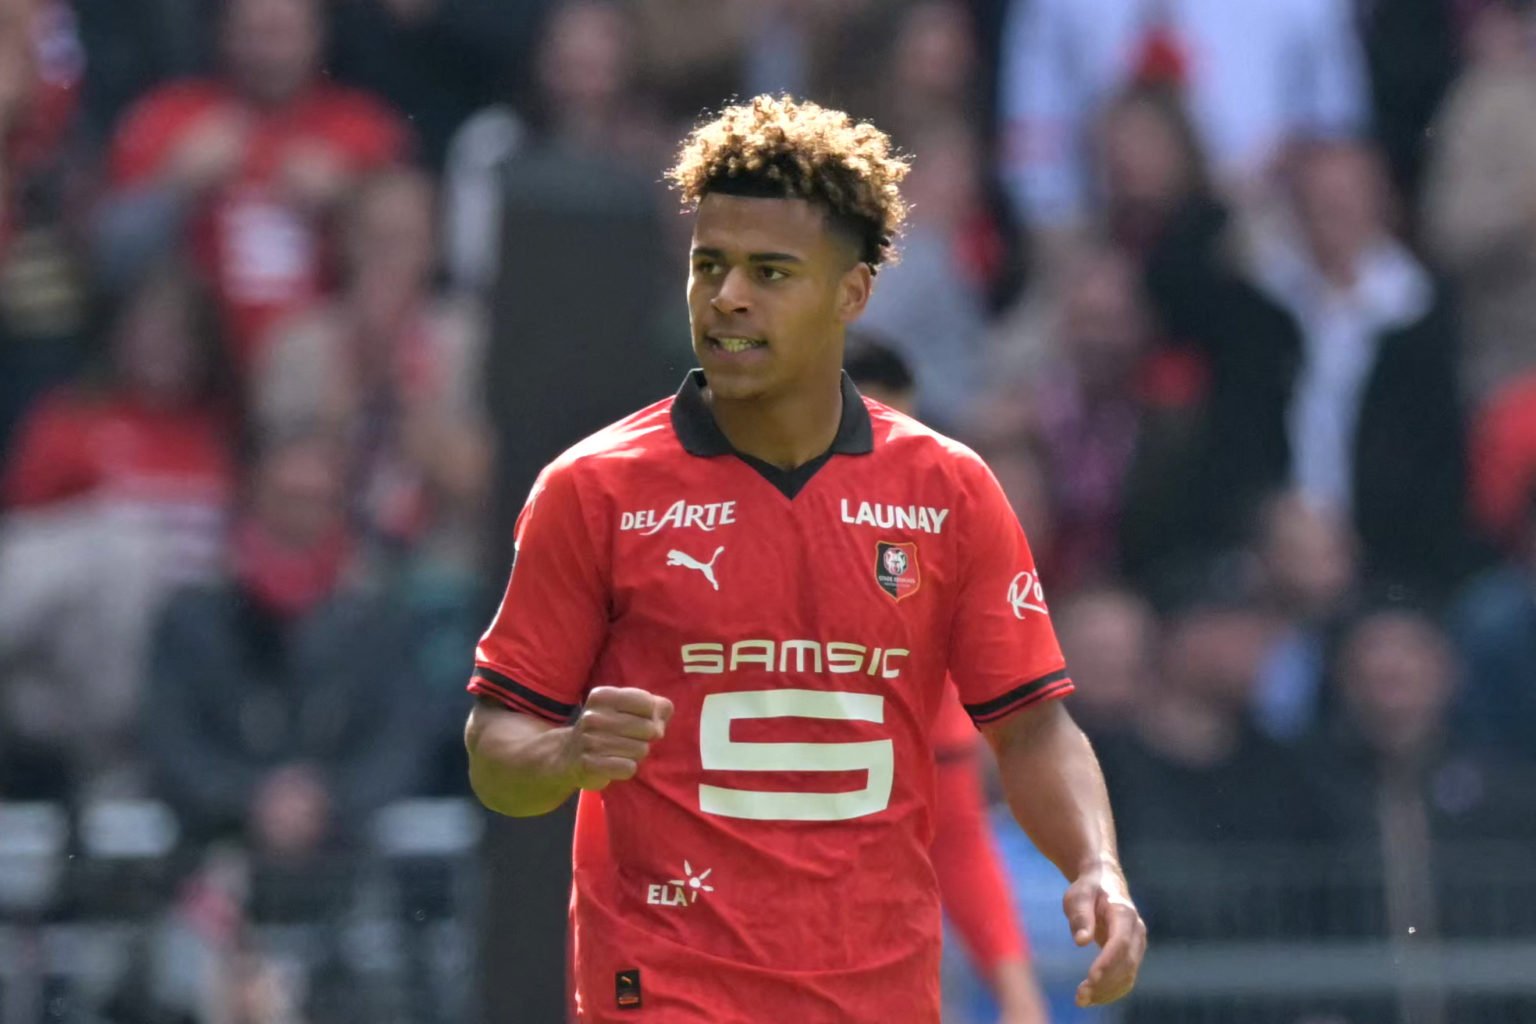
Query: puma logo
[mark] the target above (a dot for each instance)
(687, 561)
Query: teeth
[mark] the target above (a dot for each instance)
(737, 344)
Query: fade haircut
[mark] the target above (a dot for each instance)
(778, 148)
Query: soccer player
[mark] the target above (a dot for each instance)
(729, 624)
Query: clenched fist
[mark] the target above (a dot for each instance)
(614, 733)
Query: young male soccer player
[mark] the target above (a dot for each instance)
(730, 621)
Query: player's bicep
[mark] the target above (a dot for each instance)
(539, 649)
(1003, 650)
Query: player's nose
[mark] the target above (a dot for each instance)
(733, 294)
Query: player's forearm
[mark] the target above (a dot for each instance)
(518, 766)
(1055, 788)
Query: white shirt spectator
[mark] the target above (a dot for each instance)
(1257, 72)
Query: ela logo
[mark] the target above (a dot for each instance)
(896, 569)
(680, 892)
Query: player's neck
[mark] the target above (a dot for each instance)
(786, 430)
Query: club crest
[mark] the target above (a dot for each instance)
(896, 569)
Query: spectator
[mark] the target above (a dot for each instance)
(927, 305)
(1481, 217)
(277, 704)
(1108, 635)
(1307, 558)
(392, 371)
(1494, 625)
(1412, 794)
(43, 292)
(1081, 409)
(1364, 405)
(1255, 75)
(250, 164)
(925, 86)
(933, 72)
(587, 101)
(1196, 779)
(127, 477)
(436, 61)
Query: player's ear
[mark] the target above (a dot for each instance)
(853, 291)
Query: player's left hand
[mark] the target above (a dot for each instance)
(1099, 909)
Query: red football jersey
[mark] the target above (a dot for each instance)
(770, 860)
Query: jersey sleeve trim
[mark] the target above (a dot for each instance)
(1056, 684)
(487, 682)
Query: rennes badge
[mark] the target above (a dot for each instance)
(896, 569)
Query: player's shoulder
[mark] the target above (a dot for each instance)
(900, 436)
(643, 435)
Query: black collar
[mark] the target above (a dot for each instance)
(700, 435)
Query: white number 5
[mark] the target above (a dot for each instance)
(719, 752)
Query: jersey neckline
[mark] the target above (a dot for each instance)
(700, 435)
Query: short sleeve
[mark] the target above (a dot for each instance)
(538, 652)
(1003, 650)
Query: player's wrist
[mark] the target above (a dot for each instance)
(1099, 863)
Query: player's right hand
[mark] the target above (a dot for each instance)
(613, 734)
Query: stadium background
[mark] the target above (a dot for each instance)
(1239, 300)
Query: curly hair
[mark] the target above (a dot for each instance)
(779, 148)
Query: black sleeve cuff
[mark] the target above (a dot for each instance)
(487, 682)
(1057, 684)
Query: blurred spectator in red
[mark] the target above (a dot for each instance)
(1081, 409)
(586, 100)
(1109, 636)
(1494, 625)
(1307, 562)
(1255, 75)
(1411, 792)
(43, 294)
(1360, 411)
(1480, 203)
(392, 371)
(118, 492)
(251, 163)
(277, 702)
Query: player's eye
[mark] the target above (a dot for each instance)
(771, 274)
(705, 266)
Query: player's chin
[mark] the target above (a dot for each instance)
(733, 381)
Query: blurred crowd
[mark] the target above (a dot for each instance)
(1237, 299)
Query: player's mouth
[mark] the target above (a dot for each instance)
(734, 345)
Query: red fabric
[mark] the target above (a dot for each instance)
(266, 259)
(1503, 457)
(72, 446)
(286, 580)
(822, 901)
(972, 882)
